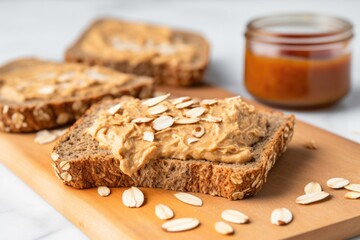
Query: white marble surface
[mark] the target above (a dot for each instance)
(46, 28)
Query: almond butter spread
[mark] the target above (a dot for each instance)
(42, 80)
(136, 43)
(138, 131)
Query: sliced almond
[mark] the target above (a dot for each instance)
(352, 195)
(54, 156)
(114, 109)
(181, 224)
(158, 109)
(189, 199)
(312, 187)
(337, 183)
(191, 140)
(44, 137)
(46, 90)
(209, 102)
(162, 122)
(163, 212)
(60, 132)
(195, 112)
(212, 119)
(66, 176)
(64, 165)
(281, 216)
(148, 136)
(103, 191)
(185, 104)
(187, 120)
(180, 100)
(223, 228)
(353, 187)
(141, 120)
(133, 197)
(198, 131)
(234, 216)
(312, 197)
(95, 75)
(153, 101)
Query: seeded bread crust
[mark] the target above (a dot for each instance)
(79, 162)
(35, 115)
(161, 73)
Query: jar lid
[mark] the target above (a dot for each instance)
(299, 29)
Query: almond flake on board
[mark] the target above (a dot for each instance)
(189, 199)
(181, 224)
(337, 183)
(312, 197)
(352, 195)
(312, 187)
(195, 112)
(162, 122)
(355, 187)
(223, 228)
(163, 212)
(155, 100)
(158, 109)
(133, 197)
(234, 216)
(281, 216)
(103, 191)
(44, 137)
(148, 136)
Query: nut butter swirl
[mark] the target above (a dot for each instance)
(231, 128)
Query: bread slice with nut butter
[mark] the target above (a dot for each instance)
(170, 56)
(221, 147)
(37, 94)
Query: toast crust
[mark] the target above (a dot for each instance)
(232, 181)
(46, 114)
(162, 73)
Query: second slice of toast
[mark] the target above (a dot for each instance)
(37, 94)
(170, 56)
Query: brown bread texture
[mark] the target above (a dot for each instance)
(162, 73)
(34, 115)
(79, 162)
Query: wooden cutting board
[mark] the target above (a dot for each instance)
(108, 218)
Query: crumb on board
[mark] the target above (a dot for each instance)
(312, 145)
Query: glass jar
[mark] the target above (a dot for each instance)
(298, 60)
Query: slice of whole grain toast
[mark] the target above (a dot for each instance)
(79, 162)
(36, 114)
(163, 73)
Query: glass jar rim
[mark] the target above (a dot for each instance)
(331, 29)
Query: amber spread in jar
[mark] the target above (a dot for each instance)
(183, 128)
(299, 60)
(297, 81)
